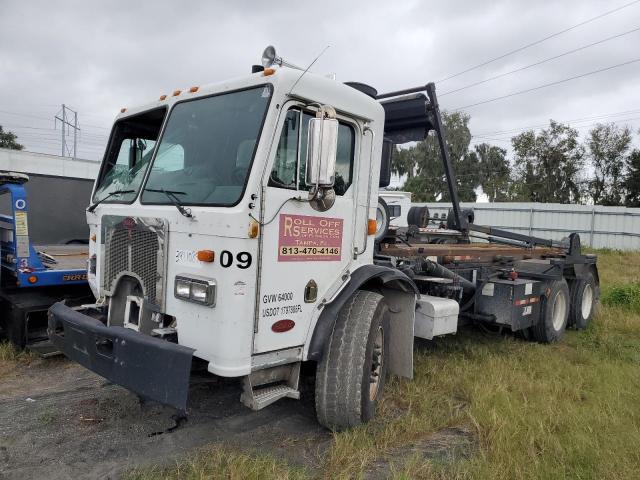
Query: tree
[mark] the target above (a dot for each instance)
(493, 171)
(548, 165)
(429, 182)
(402, 162)
(607, 146)
(632, 180)
(8, 140)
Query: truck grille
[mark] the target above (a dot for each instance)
(135, 246)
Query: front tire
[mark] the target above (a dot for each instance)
(14, 326)
(351, 375)
(554, 314)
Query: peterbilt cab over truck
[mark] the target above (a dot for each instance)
(236, 223)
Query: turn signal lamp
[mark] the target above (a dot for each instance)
(268, 71)
(93, 237)
(206, 256)
(32, 279)
(372, 227)
(254, 229)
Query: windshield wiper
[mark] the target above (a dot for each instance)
(93, 206)
(172, 195)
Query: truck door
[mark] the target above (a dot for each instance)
(301, 249)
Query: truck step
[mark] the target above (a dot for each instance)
(265, 396)
(44, 348)
(263, 387)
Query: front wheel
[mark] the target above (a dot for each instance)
(351, 375)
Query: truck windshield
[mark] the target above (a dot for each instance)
(128, 155)
(207, 148)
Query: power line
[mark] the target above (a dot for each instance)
(44, 131)
(26, 115)
(564, 80)
(537, 42)
(624, 120)
(568, 52)
(572, 120)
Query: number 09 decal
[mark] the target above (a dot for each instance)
(242, 259)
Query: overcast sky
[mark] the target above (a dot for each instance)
(100, 56)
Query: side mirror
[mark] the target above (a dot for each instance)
(322, 149)
(385, 163)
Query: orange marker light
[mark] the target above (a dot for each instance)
(254, 229)
(177, 92)
(372, 226)
(93, 237)
(122, 110)
(193, 89)
(268, 71)
(32, 279)
(162, 97)
(206, 256)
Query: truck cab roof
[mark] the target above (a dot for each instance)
(286, 83)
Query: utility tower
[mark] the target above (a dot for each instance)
(66, 116)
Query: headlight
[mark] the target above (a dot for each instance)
(199, 292)
(196, 289)
(183, 288)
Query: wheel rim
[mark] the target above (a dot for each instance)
(587, 301)
(377, 358)
(559, 311)
(379, 219)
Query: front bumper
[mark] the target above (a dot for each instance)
(155, 369)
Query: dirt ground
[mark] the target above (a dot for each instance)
(61, 421)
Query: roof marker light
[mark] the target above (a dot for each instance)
(176, 93)
(123, 109)
(162, 97)
(194, 89)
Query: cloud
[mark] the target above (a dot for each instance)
(100, 56)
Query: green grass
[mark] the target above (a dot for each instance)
(216, 462)
(568, 410)
(11, 357)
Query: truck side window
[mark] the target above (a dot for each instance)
(283, 174)
(291, 155)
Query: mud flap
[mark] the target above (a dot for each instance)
(155, 369)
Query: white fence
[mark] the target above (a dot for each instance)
(599, 227)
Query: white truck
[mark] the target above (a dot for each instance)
(235, 223)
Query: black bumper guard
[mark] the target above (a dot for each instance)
(154, 369)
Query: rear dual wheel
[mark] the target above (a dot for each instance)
(584, 299)
(555, 313)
